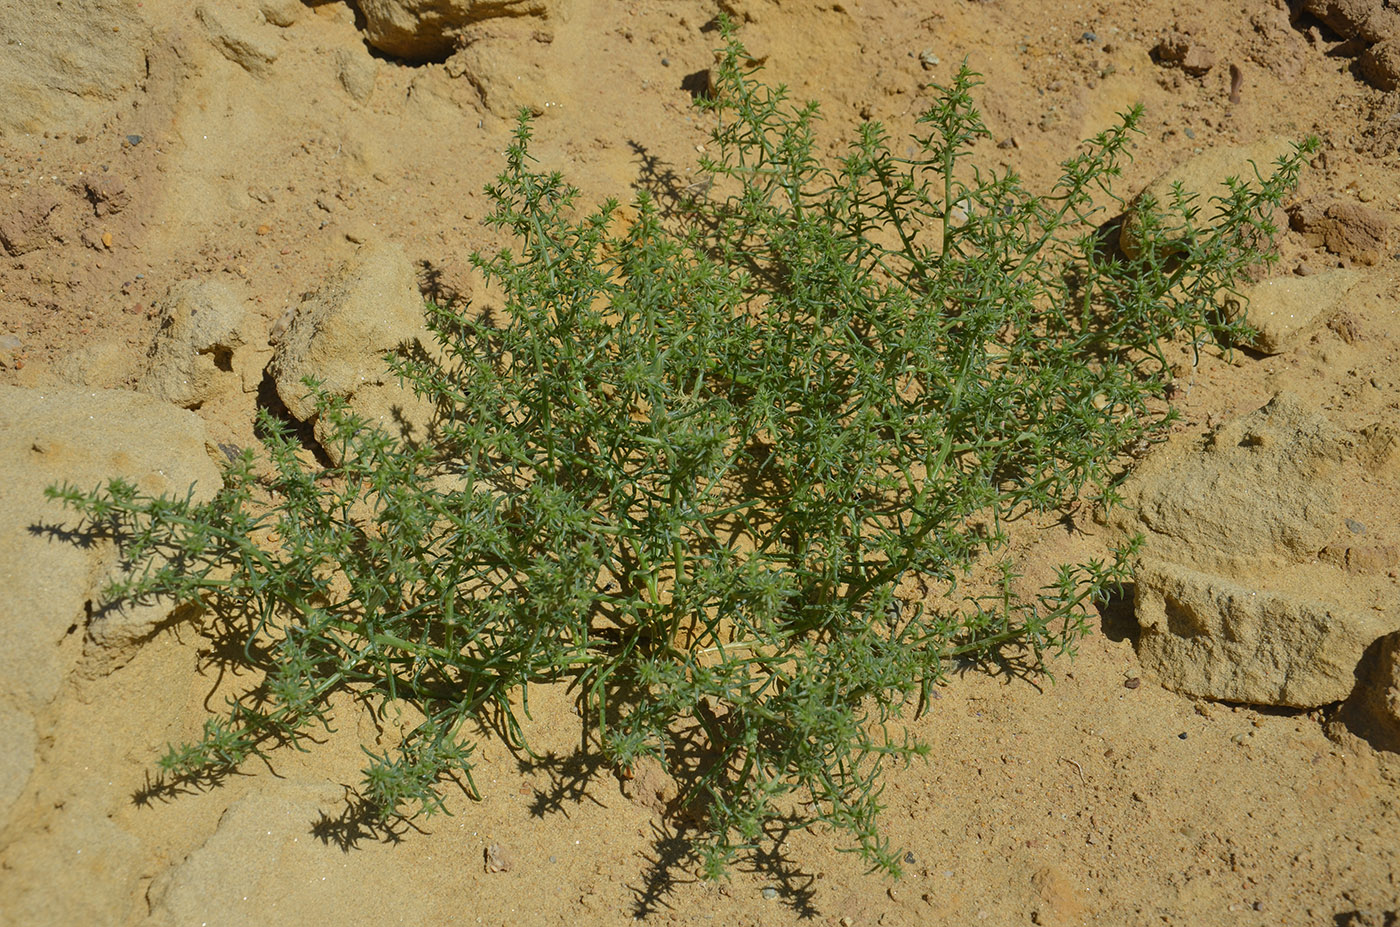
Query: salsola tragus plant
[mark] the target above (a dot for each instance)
(690, 461)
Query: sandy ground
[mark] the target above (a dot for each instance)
(1079, 801)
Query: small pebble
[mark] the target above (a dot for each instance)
(1132, 682)
(1090, 37)
(770, 893)
(1355, 527)
(133, 140)
(497, 858)
(1181, 736)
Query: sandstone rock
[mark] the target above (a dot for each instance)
(1380, 64)
(1242, 594)
(107, 193)
(79, 869)
(1259, 494)
(1366, 20)
(1285, 310)
(282, 13)
(504, 83)
(357, 73)
(263, 837)
(1212, 637)
(340, 335)
(1276, 45)
(243, 43)
(420, 30)
(1377, 696)
(52, 582)
(10, 346)
(1205, 176)
(649, 784)
(65, 64)
(18, 742)
(1060, 900)
(23, 225)
(1373, 24)
(1185, 52)
(99, 364)
(1350, 230)
(192, 358)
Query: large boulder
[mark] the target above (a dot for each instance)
(339, 336)
(422, 30)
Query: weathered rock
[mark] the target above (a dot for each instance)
(1060, 901)
(1185, 52)
(192, 358)
(107, 193)
(1349, 230)
(78, 869)
(246, 44)
(504, 83)
(263, 837)
(1275, 45)
(10, 346)
(1232, 599)
(52, 582)
(357, 73)
(1377, 696)
(18, 742)
(1258, 496)
(1205, 176)
(103, 363)
(1366, 20)
(420, 30)
(1362, 558)
(1212, 637)
(649, 784)
(65, 64)
(1285, 310)
(282, 13)
(24, 223)
(1372, 24)
(339, 336)
(1380, 64)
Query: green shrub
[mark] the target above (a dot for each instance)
(689, 464)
